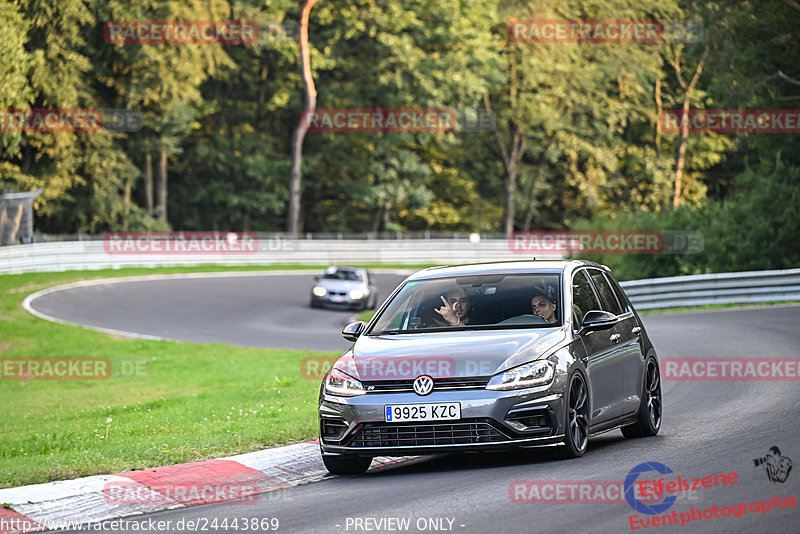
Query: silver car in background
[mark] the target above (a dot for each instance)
(345, 287)
(504, 373)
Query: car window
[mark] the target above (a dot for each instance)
(621, 297)
(583, 297)
(343, 275)
(484, 302)
(607, 297)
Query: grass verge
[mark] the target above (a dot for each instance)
(196, 401)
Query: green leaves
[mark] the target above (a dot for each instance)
(586, 115)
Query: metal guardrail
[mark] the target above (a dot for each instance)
(339, 236)
(653, 293)
(722, 288)
(91, 255)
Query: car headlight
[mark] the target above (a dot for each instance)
(525, 376)
(320, 291)
(356, 294)
(340, 383)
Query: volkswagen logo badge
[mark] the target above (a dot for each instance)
(423, 385)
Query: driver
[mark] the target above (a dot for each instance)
(543, 306)
(456, 307)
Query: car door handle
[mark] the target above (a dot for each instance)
(636, 329)
(615, 338)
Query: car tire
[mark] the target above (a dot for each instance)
(576, 420)
(650, 408)
(346, 465)
(314, 303)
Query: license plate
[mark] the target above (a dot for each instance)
(440, 411)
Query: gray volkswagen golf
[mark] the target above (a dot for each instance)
(491, 356)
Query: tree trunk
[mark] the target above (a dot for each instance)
(262, 95)
(511, 187)
(295, 182)
(381, 220)
(162, 187)
(126, 215)
(791, 3)
(148, 177)
(532, 197)
(511, 158)
(660, 109)
(681, 160)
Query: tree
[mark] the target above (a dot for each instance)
(293, 215)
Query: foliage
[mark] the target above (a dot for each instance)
(222, 116)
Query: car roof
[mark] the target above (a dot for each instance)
(335, 268)
(508, 267)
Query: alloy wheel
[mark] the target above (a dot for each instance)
(653, 385)
(578, 413)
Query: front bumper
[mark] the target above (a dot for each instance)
(490, 420)
(338, 301)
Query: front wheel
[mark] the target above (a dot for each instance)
(346, 465)
(576, 431)
(649, 417)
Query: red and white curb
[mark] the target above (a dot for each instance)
(237, 480)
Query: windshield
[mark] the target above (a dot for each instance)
(473, 302)
(343, 275)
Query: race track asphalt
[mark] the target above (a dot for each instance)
(709, 428)
(252, 310)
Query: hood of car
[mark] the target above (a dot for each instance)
(447, 354)
(340, 285)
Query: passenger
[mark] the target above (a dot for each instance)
(543, 306)
(456, 307)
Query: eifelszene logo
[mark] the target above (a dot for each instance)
(630, 496)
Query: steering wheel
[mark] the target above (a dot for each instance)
(526, 319)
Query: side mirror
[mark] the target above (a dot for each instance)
(316, 278)
(353, 330)
(597, 320)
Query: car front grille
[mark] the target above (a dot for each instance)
(422, 434)
(439, 384)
